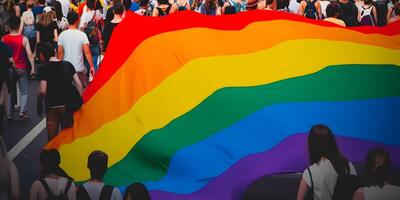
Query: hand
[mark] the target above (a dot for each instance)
(32, 72)
(92, 72)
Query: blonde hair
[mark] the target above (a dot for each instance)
(47, 18)
(5, 177)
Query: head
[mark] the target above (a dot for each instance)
(210, 4)
(91, 4)
(14, 23)
(50, 161)
(30, 4)
(41, 2)
(118, 9)
(229, 10)
(127, 4)
(367, 2)
(163, 2)
(97, 164)
(377, 166)
(322, 144)
(144, 3)
(57, 9)
(136, 191)
(47, 18)
(73, 18)
(332, 10)
(46, 51)
(271, 4)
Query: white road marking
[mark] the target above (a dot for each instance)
(27, 139)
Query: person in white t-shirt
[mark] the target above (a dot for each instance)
(95, 188)
(73, 44)
(55, 182)
(327, 163)
(376, 178)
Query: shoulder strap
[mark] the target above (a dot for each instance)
(312, 182)
(46, 188)
(313, 2)
(67, 187)
(106, 192)
(82, 193)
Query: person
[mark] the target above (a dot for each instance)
(210, 7)
(127, 4)
(91, 24)
(367, 16)
(390, 7)
(73, 44)
(64, 7)
(396, 16)
(332, 13)
(20, 8)
(136, 191)
(27, 27)
(110, 13)
(54, 182)
(109, 27)
(21, 53)
(377, 167)
(134, 6)
(163, 8)
(348, 12)
(327, 164)
(239, 5)
(9, 179)
(294, 6)
(267, 5)
(47, 29)
(6, 62)
(324, 4)
(310, 9)
(6, 11)
(38, 9)
(56, 79)
(62, 21)
(95, 187)
(144, 9)
(180, 5)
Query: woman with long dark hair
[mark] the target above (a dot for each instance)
(327, 164)
(210, 7)
(377, 167)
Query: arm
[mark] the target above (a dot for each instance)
(301, 8)
(30, 54)
(37, 37)
(318, 6)
(14, 182)
(375, 15)
(88, 56)
(78, 83)
(55, 35)
(359, 194)
(43, 87)
(302, 190)
(34, 193)
(389, 14)
(60, 52)
(21, 26)
(155, 12)
(17, 11)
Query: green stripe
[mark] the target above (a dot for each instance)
(149, 159)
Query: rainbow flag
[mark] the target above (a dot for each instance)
(199, 107)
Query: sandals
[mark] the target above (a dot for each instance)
(23, 116)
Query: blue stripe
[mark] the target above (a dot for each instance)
(193, 167)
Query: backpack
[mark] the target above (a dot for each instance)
(310, 192)
(105, 194)
(92, 31)
(366, 17)
(346, 186)
(310, 11)
(51, 196)
(182, 8)
(162, 13)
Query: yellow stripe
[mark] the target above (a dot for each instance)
(198, 79)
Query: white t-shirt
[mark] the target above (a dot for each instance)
(94, 191)
(64, 7)
(324, 4)
(57, 187)
(324, 178)
(87, 16)
(388, 192)
(72, 42)
(294, 6)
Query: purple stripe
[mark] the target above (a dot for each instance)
(288, 156)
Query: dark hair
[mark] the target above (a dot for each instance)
(97, 164)
(322, 143)
(57, 9)
(377, 166)
(136, 191)
(14, 22)
(143, 3)
(50, 161)
(42, 1)
(92, 4)
(30, 4)
(118, 9)
(282, 4)
(397, 8)
(127, 4)
(229, 10)
(332, 9)
(160, 2)
(368, 2)
(269, 2)
(47, 50)
(72, 17)
(210, 5)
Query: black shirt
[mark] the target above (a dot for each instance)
(5, 55)
(59, 80)
(107, 31)
(47, 32)
(109, 15)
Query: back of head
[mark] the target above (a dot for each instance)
(143, 3)
(73, 18)
(93, 4)
(137, 191)
(127, 4)
(162, 2)
(30, 4)
(368, 2)
(97, 164)
(322, 143)
(332, 10)
(377, 166)
(230, 10)
(14, 22)
(50, 161)
(57, 8)
(118, 9)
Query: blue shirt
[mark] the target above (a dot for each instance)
(134, 6)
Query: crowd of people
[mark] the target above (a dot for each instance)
(329, 176)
